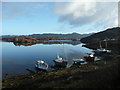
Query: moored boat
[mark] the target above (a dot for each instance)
(60, 61)
(89, 57)
(101, 50)
(63, 62)
(79, 61)
(41, 65)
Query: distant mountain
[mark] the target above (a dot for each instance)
(8, 36)
(72, 35)
(109, 34)
(68, 36)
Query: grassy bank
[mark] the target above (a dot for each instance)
(99, 74)
(0, 84)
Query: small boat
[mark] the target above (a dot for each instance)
(41, 65)
(60, 61)
(97, 58)
(68, 63)
(89, 57)
(79, 61)
(101, 50)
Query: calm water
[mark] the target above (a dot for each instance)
(16, 59)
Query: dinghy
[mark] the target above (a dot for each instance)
(41, 65)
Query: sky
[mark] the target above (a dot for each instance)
(24, 18)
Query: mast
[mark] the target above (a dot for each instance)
(100, 45)
(58, 55)
(106, 44)
(64, 52)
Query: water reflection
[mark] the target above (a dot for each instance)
(51, 42)
(24, 44)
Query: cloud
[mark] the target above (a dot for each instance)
(84, 13)
(11, 10)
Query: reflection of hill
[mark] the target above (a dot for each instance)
(50, 43)
(61, 42)
(24, 44)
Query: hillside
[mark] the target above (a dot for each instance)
(112, 36)
(109, 34)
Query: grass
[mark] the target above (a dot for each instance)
(0, 84)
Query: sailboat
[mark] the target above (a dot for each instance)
(59, 61)
(108, 51)
(102, 50)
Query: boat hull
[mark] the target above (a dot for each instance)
(63, 63)
(41, 66)
(78, 62)
(89, 59)
(100, 51)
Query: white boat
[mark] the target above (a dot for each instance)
(41, 65)
(97, 58)
(102, 50)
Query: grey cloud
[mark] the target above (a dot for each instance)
(105, 13)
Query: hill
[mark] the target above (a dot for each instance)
(109, 34)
